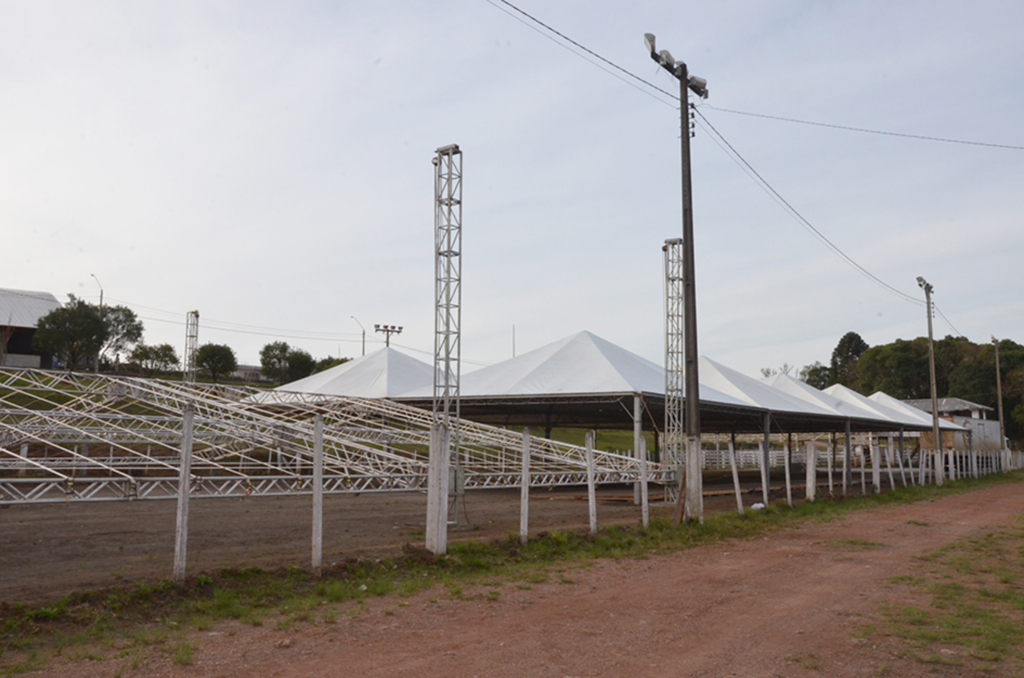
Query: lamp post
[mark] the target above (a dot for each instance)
(940, 466)
(999, 399)
(387, 331)
(364, 335)
(688, 503)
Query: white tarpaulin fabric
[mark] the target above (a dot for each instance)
(912, 412)
(580, 364)
(807, 393)
(896, 416)
(386, 373)
(754, 393)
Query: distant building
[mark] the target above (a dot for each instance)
(249, 374)
(20, 311)
(984, 433)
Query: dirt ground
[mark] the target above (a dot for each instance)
(788, 604)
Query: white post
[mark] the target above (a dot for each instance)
(318, 495)
(888, 462)
(876, 468)
(761, 457)
(22, 467)
(789, 482)
(184, 474)
(645, 506)
(524, 494)
(811, 478)
(437, 490)
(831, 455)
(591, 486)
(637, 437)
(952, 457)
(735, 474)
(863, 469)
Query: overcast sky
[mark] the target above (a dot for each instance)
(269, 164)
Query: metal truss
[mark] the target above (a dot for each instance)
(672, 458)
(447, 284)
(86, 437)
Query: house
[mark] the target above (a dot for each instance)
(20, 311)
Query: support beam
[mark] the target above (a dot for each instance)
(318, 495)
(811, 475)
(524, 491)
(766, 459)
(645, 506)
(735, 473)
(184, 477)
(847, 462)
(591, 485)
(638, 435)
(437, 490)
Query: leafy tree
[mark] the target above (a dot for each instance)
(900, 369)
(216, 360)
(274, 361)
(844, 359)
(300, 364)
(124, 330)
(329, 362)
(153, 359)
(817, 375)
(73, 333)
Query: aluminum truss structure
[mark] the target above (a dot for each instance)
(83, 437)
(447, 283)
(675, 440)
(191, 345)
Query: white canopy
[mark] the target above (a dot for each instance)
(807, 393)
(386, 373)
(580, 364)
(755, 393)
(911, 412)
(896, 416)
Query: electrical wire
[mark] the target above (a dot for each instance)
(865, 130)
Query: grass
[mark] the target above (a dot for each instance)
(973, 609)
(127, 623)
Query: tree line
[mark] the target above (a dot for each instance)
(963, 369)
(83, 336)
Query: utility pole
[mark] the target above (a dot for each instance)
(999, 397)
(691, 501)
(941, 462)
(364, 335)
(387, 331)
(96, 366)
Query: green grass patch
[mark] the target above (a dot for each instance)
(974, 603)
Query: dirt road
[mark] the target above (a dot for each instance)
(789, 604)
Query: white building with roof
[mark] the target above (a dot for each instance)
(20, 311)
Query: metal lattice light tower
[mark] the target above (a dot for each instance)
(191, 345)
(694, 494)
(674, 370)
(447, 342)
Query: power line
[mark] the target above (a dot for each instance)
(865, 130)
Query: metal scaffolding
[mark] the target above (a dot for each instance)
(445, 435)
(672, 456)
(191, 346)
(71, 437)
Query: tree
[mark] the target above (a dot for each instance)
(152, 359)
(817, 375)
(900, 369)
(216, 360)
(300, 364)
(844, 359)
(274, 361)
(124, 330)
(73, 333)
(329, 362)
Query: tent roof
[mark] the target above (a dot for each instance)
(24, 308)
(386, 373)
(755, 393)
(900, 406)
(808, 393)
(898, 417)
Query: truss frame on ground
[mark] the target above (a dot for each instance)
(86, 437)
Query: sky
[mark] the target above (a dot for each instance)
(269, 165)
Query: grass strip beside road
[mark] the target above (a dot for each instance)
(133, 623)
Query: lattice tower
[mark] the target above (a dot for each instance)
(191, 345)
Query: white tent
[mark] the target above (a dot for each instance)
(808, 393)
(386, 373)
(580, 364)
(755, 393)
(898, 417)
(912, 412)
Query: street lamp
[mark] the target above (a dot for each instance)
(692, 499)
(387, 331)
(364, 334)
(939, 467)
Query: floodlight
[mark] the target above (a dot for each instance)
(698, 86)
(649, 42)
(920, 281)
(666, 58)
